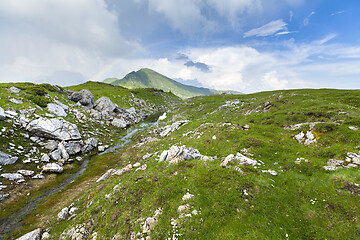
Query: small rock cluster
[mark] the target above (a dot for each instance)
(165, 131)
(67, 213)
(306, 138)
(180, 153)
(352, 160)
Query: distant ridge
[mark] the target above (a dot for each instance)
(148, 78)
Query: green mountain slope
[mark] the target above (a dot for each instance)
(147, 78)
(287, 195)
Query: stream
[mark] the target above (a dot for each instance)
(13, 221)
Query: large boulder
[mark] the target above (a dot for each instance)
(6, 159)
(75, 96)
(56, 109)
(34, 235)
(2, 114)
(120, 123)
(55, 128)
(12, 176)
(87, 99)
(104, 104)
(73, 147)
(52, 168)
(14, 90)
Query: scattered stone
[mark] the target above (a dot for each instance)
(64, 153)
(307, 138)
(75, 96)
(12, 176)
(187, 196)
(63, 106)
(106, 175)
(73, 147)
(104, 104)
(354, 158)
(56, 155)
(135, 165)
(182, 208)
(11, 114)
(45, 236)
(87, 99)
(14, 90)
(162, 117)
(51, 145)
(2, 114)
(56, 109)
(52, 168)
(3, 196)
(164, 131)
(16, 101)
(63, 214)
(101, 148)
(229, 158)
(34, 235)
(353, 128)
(120, 123)
(271, 172)
(245, 160)
(6, 159)
(26, 172)
(150, 222)
(78, 158)
(147, 156)
(176, 154)
(45, 158)
(38, 176)
(55, 128)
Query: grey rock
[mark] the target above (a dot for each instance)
(90, 144)
(335, 162)
(38, 176)
(353, 128)
(87, 99)
(45, 158)
(56, 109)
(55, 128)
(355, 158)
(45, 236)
(163, 132)
(11, 114)
(63, 106)
(34, 235)
(229, 158)
(106, 175)
(101, 148)
(73, 147)
(2, 114)
(16, 101)
(6, 159)
(75, 96)
(51, 145)
(163, 155)
(52, 168)
(78, 158)
(245, 160)
(104, 104)
(176, 154)
(26, 172)
(12, 176)
(3, 196)
(14, 90)
(120, 123)
(95, 114)
(267, 104)
(63, 214)
(56, 155)
(64, 153)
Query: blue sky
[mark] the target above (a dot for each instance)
(244, 45)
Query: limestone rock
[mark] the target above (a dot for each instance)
(56, 109)
(87, 99)
(106, 175)
(34, 235)
(104, 104)
(45, 158)
(52, 168)
(187, 196)
(229, 158)
(75, 96)
(63, 214)
(3, 196)
(120, 123)
(90, 144)
(2, 114)
(176, 154)
(355, 158)
(64, 153)
(6, 159)
(16, 101)
(56, 155)
(55, 128)
(51, 145)
(73, 147)
(38, 176)
(14, 90)
(245, 160)
(26, 172)
(12, 176)
(63, 106)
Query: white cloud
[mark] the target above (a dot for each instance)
(268, 29)
(307, 19)
(271, 81)
(336, 13)
(42, 37)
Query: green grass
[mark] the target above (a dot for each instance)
(302, 202)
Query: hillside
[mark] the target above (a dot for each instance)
(147, 78)
(271, 165)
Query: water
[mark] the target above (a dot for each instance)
(13, 222)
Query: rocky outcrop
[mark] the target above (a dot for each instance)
(12, 176)
(6, 159)
(55, 128)
(14, 90)
(73, 147)
(352, 160)
(84, 97)
(2, 114)
(104, 104)
(90, 144)
(177, 154)
(52, 168)
(56, 109)
(164, 131)
(34, 235)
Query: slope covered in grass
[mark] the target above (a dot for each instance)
(302, 201)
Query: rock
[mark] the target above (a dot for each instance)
(26, 172)
(148, 225)
(182, 208)
(45, 236)
(6, 159)
(330, 168)
(56, 155)
(106, 175)
(38, 176)
(104, 104)
(135, 165)
(176, 154)
(162, 117)
(87, 99)
(63, 214)
(355, 158)
(73, 147)
(271, 172)
(63, 106)
(14, 90)
(335, 162)
(3, 196)
(16, 101)
(56, 109)
(90, 144)
(353, 128)
(51, 145)
(245, 160)
(2, 114)
(101, 148)
(34, 235)
(45, 158)
(267, 104)
(142, 168)
(229, 158)
(300, 137)
(11, 114)
(52, 168)
(55, 128)
(78, 158)
(12, 176)
(64, 153)
(72, 210)
(163, 132)
(187, 196)
(120, 123)
(75, 96)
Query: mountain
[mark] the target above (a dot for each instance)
(147, 78)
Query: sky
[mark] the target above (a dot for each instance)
(243, 45)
